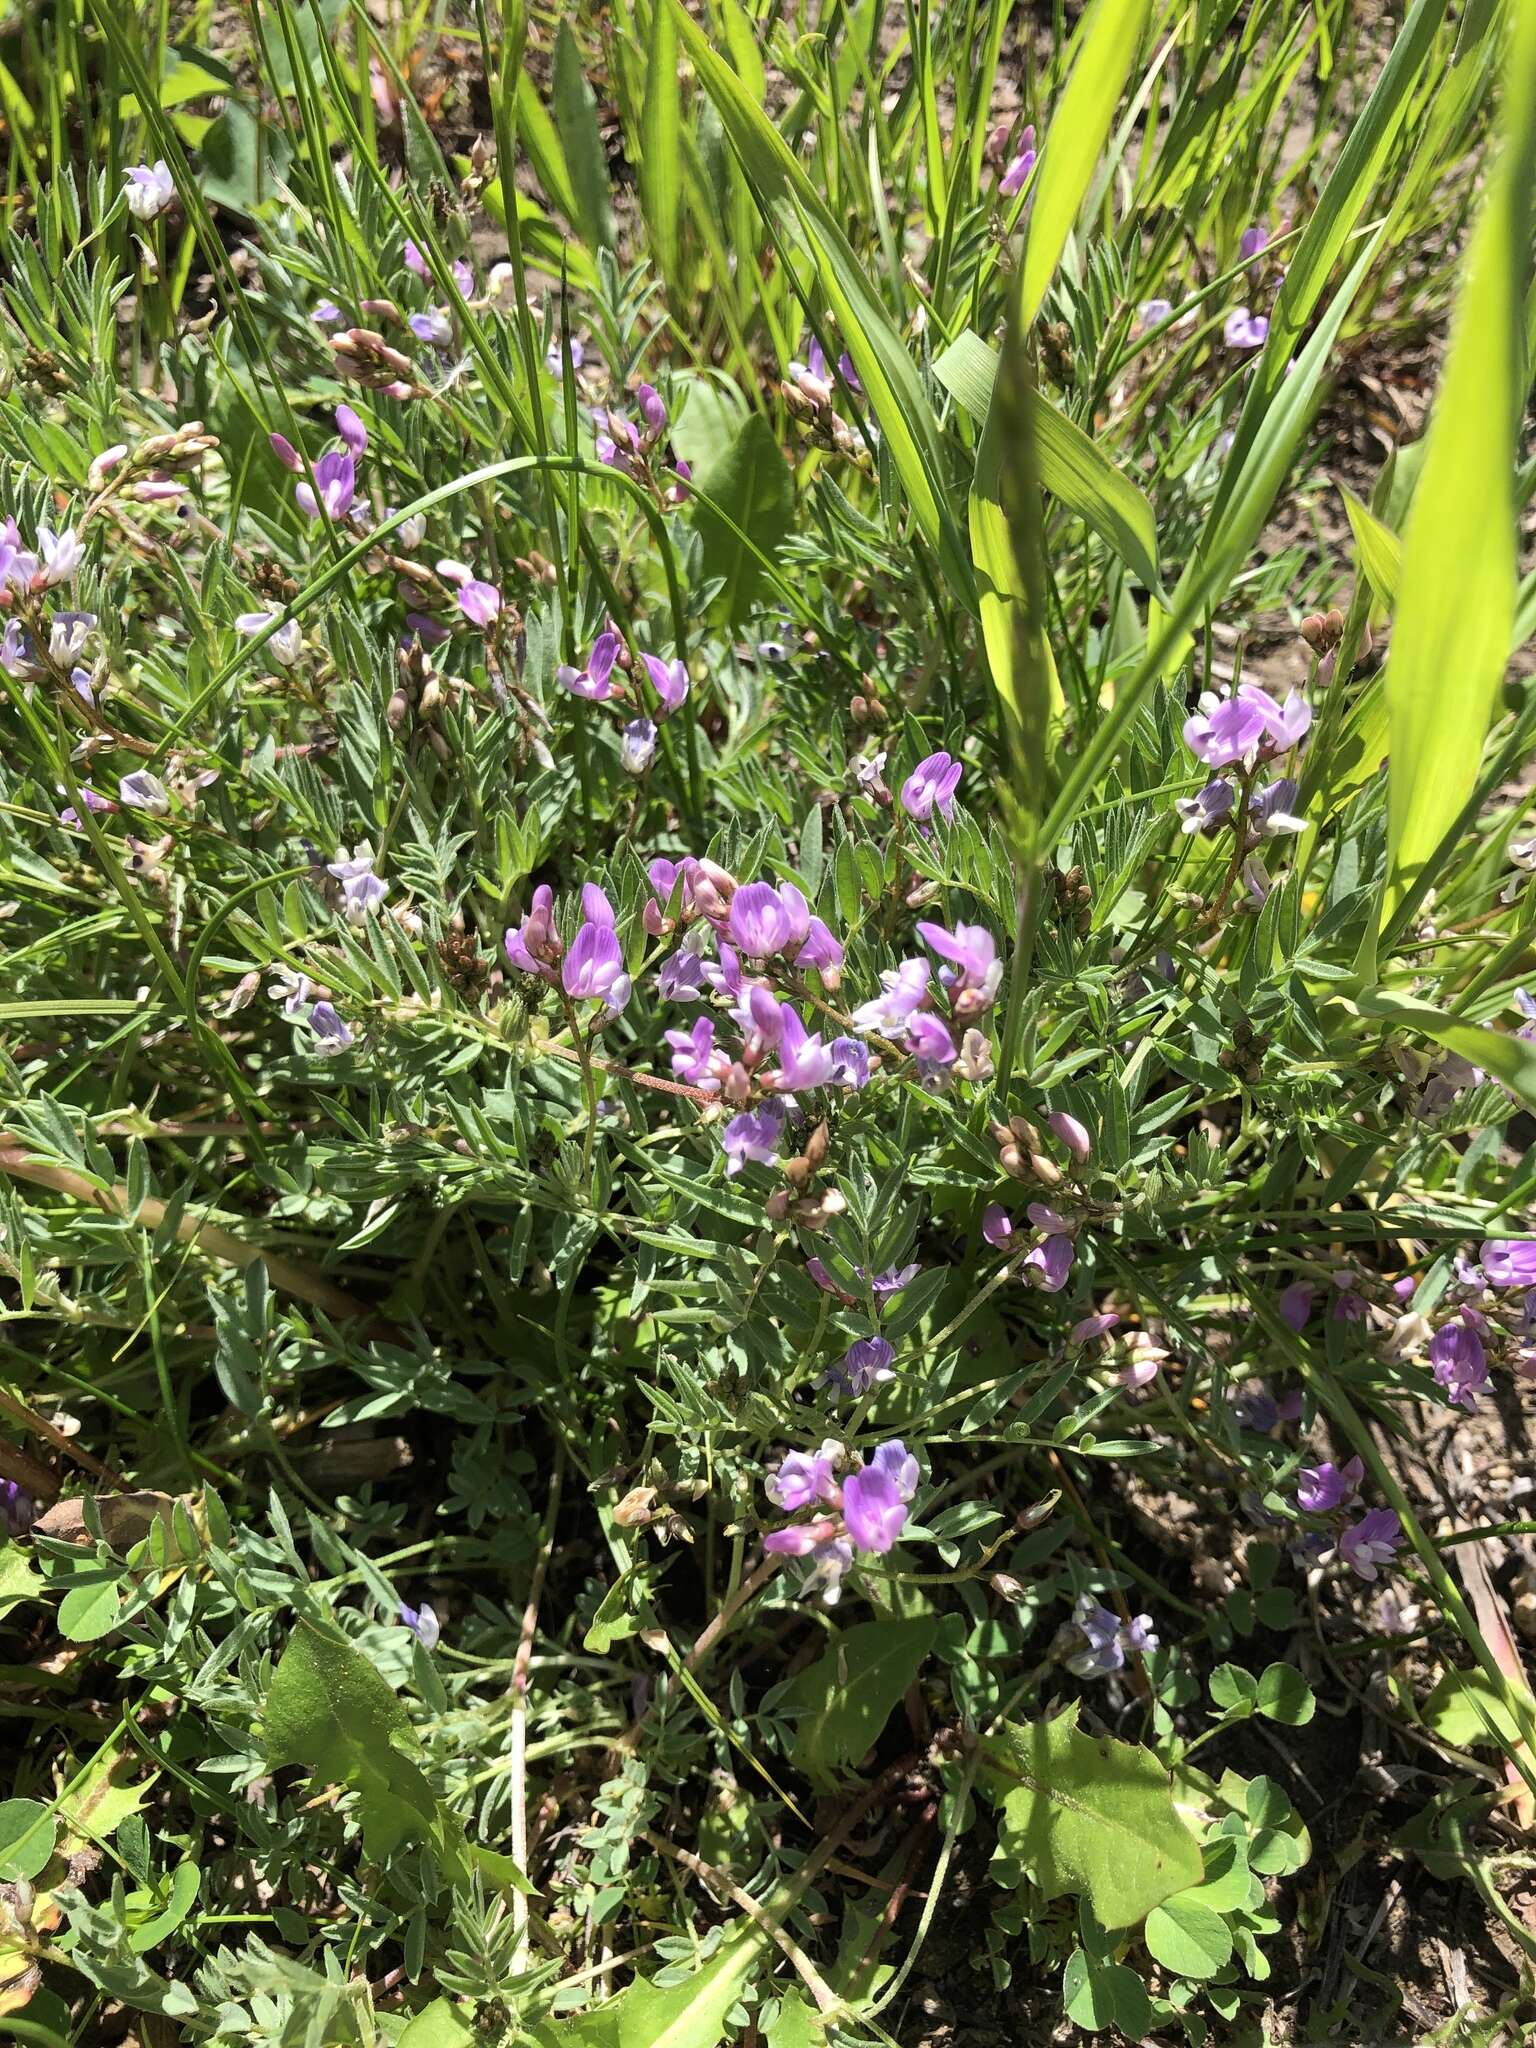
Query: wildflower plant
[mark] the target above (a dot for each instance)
(766, 1165)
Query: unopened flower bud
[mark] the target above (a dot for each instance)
(1071, 1133)
(1011, 1160)
(1045, 1169)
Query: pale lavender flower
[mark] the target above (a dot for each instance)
(804, 1062)
(479, 602)
(68, 633)
(423, 1624)
(18, 1510)
(574, 351)
(1322, 1488)
(1092, 1328)
(680, 977)
(1102, 1651)
(1048, 1265)
(149, 189)
(1244, 329)
(931, 787)
(362, 890)
(433, 326)
(18, 656)
(1208, 811)
(1509, 1262)
(1253, 240)
(695, 1059)
(594, 682)
(1072, 1134)
(1371, 1542)
(336, 475)
(535, 946)
(850, 1062)
(903, 989)
(1020, 165)
(891, 1281)
(1232, 730)
(593, 968)
(997, 1226)
(653, 412)
(637, 746)
(1155, 311)
(327, 313)
(142, 791)
(874, 1512)
(802, 1478)
(669, 679)
(761, 922)
(1295, 1304)
(752, 1135)
(973, 973)
(415, 262)
(929, 1040)
(60, 555)
(286, 644)
(354, 435)
(899, 1466)
(1269, 809)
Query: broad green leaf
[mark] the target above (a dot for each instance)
(244, 160)
(1097, 1994)
(1091, 1815)
(442, 2024)
(751, 487)
(1232, 1686)
(787, 198)
(1226, 1884)
(1379, 549)
(661, 145)
(27, 1832)
(1188, 1938)
(797, 2024)
(1105, 46)
(89, 1609)
(576, 121)
(1071, 465)
(840, 1704)
(645, 2015)
(1464, 1709)
(1456, 600)
(19, 1578)
(540, 138)
(1284, 1695)
(329, 1709)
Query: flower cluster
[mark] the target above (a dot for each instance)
(591, 969)
(864, 1510)
(1106, 1641)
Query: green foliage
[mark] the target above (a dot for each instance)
(840, 1704)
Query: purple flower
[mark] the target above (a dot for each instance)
(804, 1062)
(1209, 810)
(1232, 730)
(752, 1135)
(1102, 1650)
(18, 1510)
(903, 989)
(801, 1538)
(1459, 1362)
(891, 1281)
(975, 973)
(573, 349)
(327, 313)
(863, 1365)
(694, 1058)
(1269, 809)
(1072, 1134)
(1322, 1488)
(669, 679)
(1048, 1265)
(637, 746)
(1020, 165)
(535, 945)
(899, 1466)
(680, 978)
(1295, 1304)
(653, 411)
(1244, 329)
(929, 1040)
(332, 1033)
(1155, 311)
(593, 682)
(1092, 1328)
(479, 602)
(802, 1478)
(142, 791)
(362, 890)
(414, 260)
(423, 1624)
(59, 554)
(433, 326)
(997, 1226)
(336, 475)
(1372, 1541)
(1509, 1262)
(593, 968)
(1253, 240)
(354, 434)
(874, 1512)
(850, 1062)
(760, 923)
(931, 787)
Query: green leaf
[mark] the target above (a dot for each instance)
(1188, 1938)
(1464, 1709)
(442, 2024)
(1226, 1884)
(89, 1609)
(1105, 45)
(540, 138)
(796, 2025)
(576, 120)
(20, 1580)
(329, 1709)
(661, 142)
(747, 492)
(1456, 601)
(786, 197)
(691, 2014)
(1100, 1994)
(841, 1702)
(1232, 1686)
(1379, 549)
(1502, 1053)
(27, 1832)
(244, 160)
(1091, 1815)
(1284, 1695)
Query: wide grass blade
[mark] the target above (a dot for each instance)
(1456, 599)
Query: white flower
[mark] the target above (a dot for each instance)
(61, 554)
(149, 189)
